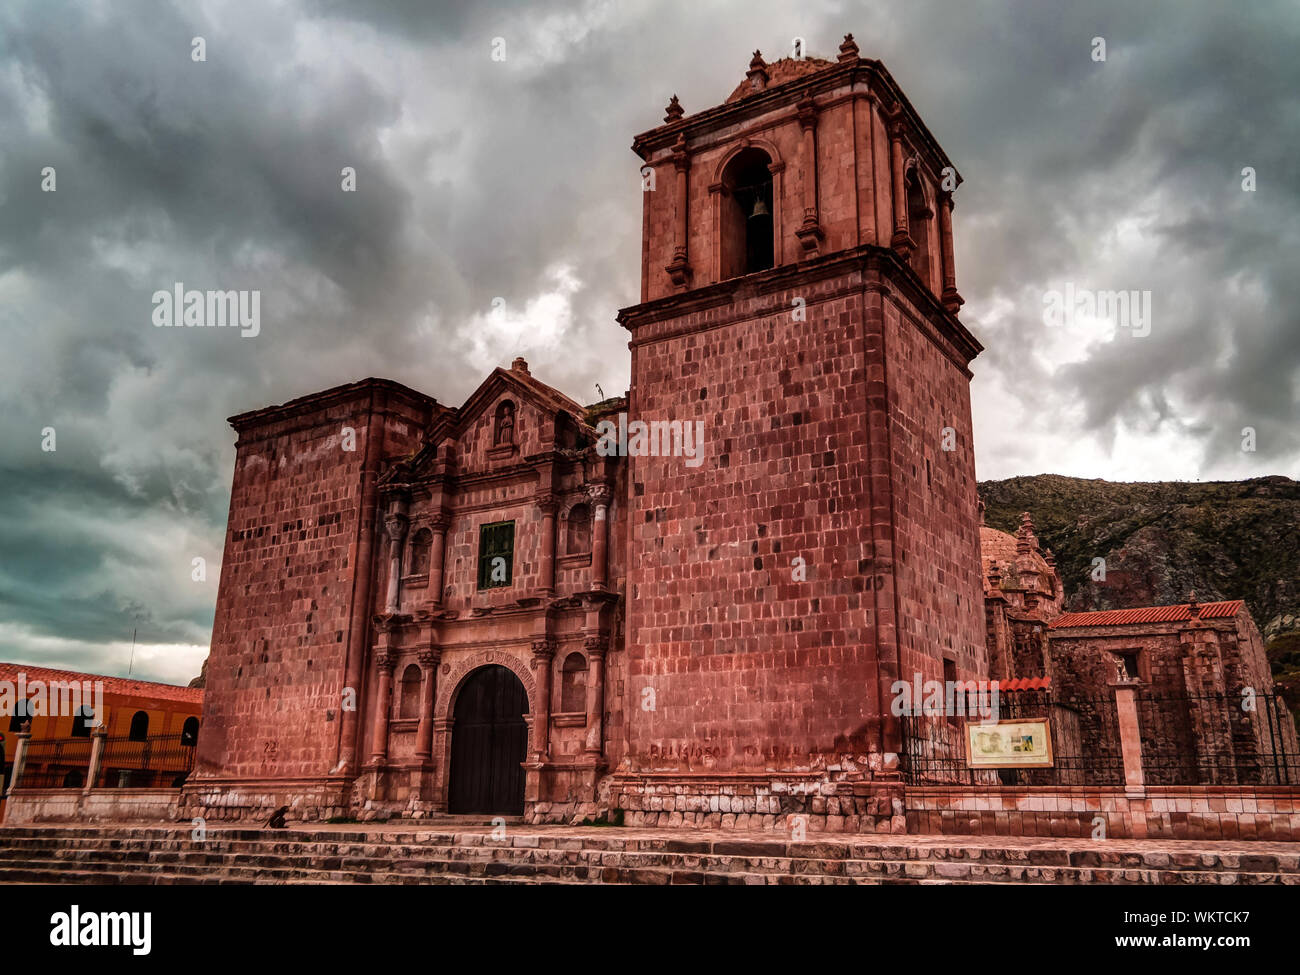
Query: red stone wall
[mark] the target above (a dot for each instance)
(936, 524)
(279, 642)
(750, 668)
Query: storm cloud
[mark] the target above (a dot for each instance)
(480, 179)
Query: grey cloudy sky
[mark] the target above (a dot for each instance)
(480, 179)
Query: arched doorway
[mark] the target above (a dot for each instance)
(489, 741)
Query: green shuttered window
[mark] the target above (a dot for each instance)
(496, 554)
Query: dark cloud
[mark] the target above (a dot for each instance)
(480, 179)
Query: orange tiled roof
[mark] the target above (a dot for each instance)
(1024, 684)
(125, 686)
(1147, 614)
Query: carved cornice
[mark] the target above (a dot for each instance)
(806, 112)
(681, 155)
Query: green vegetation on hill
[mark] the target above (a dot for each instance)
(1164, 540)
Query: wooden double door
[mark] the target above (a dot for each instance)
(489, 742)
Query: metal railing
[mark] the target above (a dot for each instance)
(56, 763)
(1217, 739)
(160, 762)
(1187, 739)
(1085, 744)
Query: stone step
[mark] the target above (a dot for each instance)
(105, 868)
(417, 844)
(377, 856)
(169, 855)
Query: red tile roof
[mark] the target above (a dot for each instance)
(1024, 684)
(1147, 614)
(125, 686)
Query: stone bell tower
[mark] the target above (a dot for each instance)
(799, 298)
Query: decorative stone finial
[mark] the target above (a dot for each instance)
(1025, 538)
(674, 111)
(849, 49)
(520, 365)
(757, 73)
(980, 509)
(1194, 608)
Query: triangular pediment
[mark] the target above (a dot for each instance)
(472, 430)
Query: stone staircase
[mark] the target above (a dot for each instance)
(309, 854)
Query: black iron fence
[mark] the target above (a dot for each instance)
(1186, 740)
(1085, 744)
(1217, 739)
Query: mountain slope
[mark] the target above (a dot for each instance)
(1162, 541)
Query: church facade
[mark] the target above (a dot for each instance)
(503, 608)
(427, 608)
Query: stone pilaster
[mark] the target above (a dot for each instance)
(543, 656)
(438, 527)
(600, 495)
(679, 270)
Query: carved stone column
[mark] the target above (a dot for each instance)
(384, 664)
(429, 660)
(950, 297)
(395, 525)
(595, 647)
(902, 240)
(600, 495)
(438, 526)
(543, 655)
(810, 231)
(679, 270)
(548, 504)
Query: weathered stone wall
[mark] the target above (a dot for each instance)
(935, 519)
(280, 639)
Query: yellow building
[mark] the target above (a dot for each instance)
(151, 728)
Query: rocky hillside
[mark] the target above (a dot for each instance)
(1163, 541)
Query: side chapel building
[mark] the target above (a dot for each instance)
(475, 611)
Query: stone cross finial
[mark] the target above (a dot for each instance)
(1193, 607)
(757, 73)
(674, 111)
(849, 49)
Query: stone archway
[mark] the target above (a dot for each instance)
(451, 682)
(489, 743)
